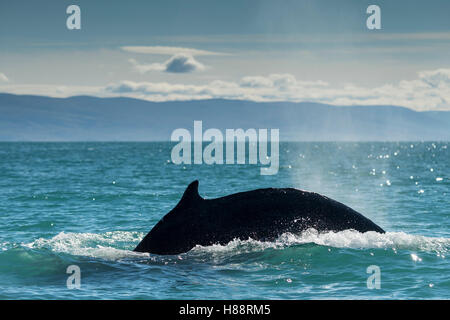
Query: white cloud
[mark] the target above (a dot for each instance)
(277, 81)
(429, 91)
(53, 90)
(3, 78)
(144, 68)
(436, 78)
(169, 50)
(179, 63)
(182, 60)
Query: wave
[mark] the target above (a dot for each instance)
(342, 239)
(113, 245)
(117, 245)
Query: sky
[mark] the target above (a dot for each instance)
(317, 51)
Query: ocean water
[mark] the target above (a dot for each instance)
(89, 204)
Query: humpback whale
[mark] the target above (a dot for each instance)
(262, 214)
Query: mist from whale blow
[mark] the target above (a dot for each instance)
(262, 214)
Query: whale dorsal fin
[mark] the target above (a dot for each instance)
(191, 194)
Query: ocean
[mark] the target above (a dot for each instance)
(88, 204)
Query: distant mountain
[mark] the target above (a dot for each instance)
(82, 118)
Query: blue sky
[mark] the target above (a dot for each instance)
(259, 50)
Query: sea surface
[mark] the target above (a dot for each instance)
(89, 204)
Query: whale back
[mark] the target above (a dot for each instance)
(262, 214)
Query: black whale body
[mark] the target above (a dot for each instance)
(262, 214)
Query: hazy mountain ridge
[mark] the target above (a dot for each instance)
(83, 118)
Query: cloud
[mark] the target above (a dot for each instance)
(183, 63)
(182, 60)
(179, 63)
(52, 90)
(3, 78)
(277, 81)
(436, 78)
(275, 87)
(430, 91)
(169, 50)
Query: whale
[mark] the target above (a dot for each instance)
(262, 214)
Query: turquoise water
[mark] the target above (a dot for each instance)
(89, 204)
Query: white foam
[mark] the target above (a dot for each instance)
(109, 245)
(4, 245)
(343, 239)
(116, 245)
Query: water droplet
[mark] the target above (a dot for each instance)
(415, 257)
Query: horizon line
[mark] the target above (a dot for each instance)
(223, 99)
